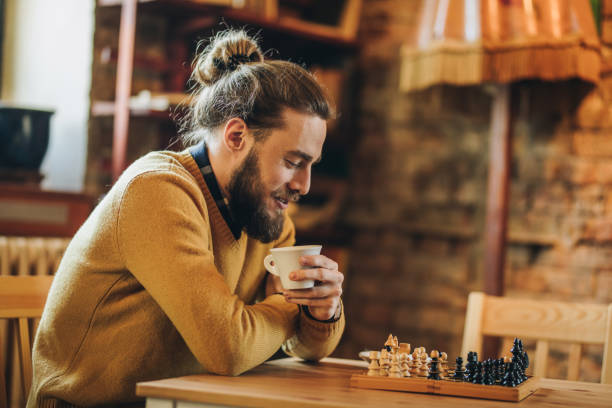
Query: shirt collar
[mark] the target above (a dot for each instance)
(200, 155)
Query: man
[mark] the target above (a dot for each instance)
(166, 277)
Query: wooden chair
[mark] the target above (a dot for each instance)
(22, 298)
(544, 321)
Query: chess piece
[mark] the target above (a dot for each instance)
(459, 370)
(499, 370)
(525, 355)
(487, 376)
(384, 364)
(443, 365)
(434, 369)
(373, 369)
(477, 377)
(405, 364)
(510, 379)
(404, 348)
(521, 359)
(424, 367)
(394, 370)
(416, 364)
(389, 343)
(470, 366)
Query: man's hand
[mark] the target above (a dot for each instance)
(323, 300)
(273, 284)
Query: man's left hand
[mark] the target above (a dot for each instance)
(323, 300)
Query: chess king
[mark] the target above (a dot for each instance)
(166, 276)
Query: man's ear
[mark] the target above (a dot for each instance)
(235, 134)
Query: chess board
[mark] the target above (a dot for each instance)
(394, 368)
(447, 387)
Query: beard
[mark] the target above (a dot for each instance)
(247, 201)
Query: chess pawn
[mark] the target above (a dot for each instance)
(434, 369)
(405, 365)
(374, 355)
(443, 365)
(424, 363)
(384, 353)
(374, 369)
(415, 367)
(459, 370)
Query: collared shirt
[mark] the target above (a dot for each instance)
(200, 155)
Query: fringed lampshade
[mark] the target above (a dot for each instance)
(463, 42)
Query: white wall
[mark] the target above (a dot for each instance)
(47, 60)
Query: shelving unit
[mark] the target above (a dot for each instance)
(315, 41)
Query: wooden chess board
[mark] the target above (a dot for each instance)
(447, 387)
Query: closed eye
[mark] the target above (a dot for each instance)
(292, 164)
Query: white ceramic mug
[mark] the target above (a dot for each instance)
(287, 260)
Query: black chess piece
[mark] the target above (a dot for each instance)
(477, 376)
(509, 379)
(488, 377)
(499, 369)
(470, 366)
(459, 370)
(434, 370)
(516, 351)
(525, 356)
(518, 355)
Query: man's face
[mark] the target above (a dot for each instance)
(275, 172)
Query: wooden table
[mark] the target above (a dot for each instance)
(291, 383)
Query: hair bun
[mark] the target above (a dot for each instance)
(225, 53)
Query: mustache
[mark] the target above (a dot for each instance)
(288, 195)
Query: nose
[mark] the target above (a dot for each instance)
(301, 181)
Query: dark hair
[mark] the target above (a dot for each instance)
(233, 80)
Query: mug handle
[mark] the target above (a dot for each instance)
(269, 266)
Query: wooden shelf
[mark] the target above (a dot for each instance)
(180, 4)
(221, 9)
(107, 108)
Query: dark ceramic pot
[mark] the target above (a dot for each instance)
(24, 137)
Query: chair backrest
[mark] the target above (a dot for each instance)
(543, 321)
(22, 298)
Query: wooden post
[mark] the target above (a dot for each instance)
(123, 89)
(497, 201)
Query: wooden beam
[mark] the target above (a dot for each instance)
(497, 201)
(123, 90)
(497, 193)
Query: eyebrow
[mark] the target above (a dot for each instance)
(304, 156)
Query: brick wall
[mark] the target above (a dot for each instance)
(418, 189)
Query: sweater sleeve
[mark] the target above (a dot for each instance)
(313, 339)
(163, 237)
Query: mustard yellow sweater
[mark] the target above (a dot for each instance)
(154, 285)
